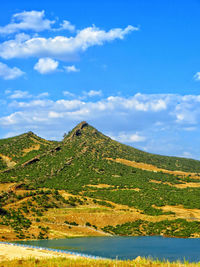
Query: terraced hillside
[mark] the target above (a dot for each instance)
(98, 187)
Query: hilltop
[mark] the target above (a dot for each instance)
(54, 189)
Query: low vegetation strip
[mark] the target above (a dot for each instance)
(175, 228)
(80, 262)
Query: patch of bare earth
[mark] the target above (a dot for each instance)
(100, 185)
(27, 150)
(8, 161)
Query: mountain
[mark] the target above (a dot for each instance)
(95, 186)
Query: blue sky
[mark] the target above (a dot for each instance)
(130, 68)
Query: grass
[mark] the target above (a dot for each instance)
(78, 262)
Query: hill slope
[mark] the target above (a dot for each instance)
(91, 170)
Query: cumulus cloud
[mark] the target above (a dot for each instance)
(61, 47)
(143, 110)
(46, 65)
(17, 94)
(67, 93)
(8, 73)
(71, 68)
(27, 20)
(66, 25)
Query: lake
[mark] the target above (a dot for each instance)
(128, 247)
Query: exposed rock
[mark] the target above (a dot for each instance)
(78, 130)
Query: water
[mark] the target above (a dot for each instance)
(171, 249)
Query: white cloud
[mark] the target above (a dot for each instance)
(147, 121)
(92, 93)
(32, 104)
(17, 94)
(45, 94)
(8, 73)
(197, 76)
(118, 110)
(71, 68)
(66, 25)
(67, 93)
(27, 20)
(46, 65)
(54, 115)
(61, 47)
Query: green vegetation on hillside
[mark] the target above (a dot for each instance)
(174, 228)
(33, 204)
(81, 160)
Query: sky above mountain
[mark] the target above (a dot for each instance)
(130, 68)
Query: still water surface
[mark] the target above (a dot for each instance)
(128, 247)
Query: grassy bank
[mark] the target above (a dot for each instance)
(62, 262)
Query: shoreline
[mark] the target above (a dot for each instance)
(13, 255)
(44, 250)
(84, 236)
(11, 251)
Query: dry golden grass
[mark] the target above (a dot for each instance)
(149, 167)
(127, 189)
(100, 185)
(80, 262)
(38, 142)
(27, 150)
(8, 161)
(183, 185)
(6, 187)
(182, 212)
